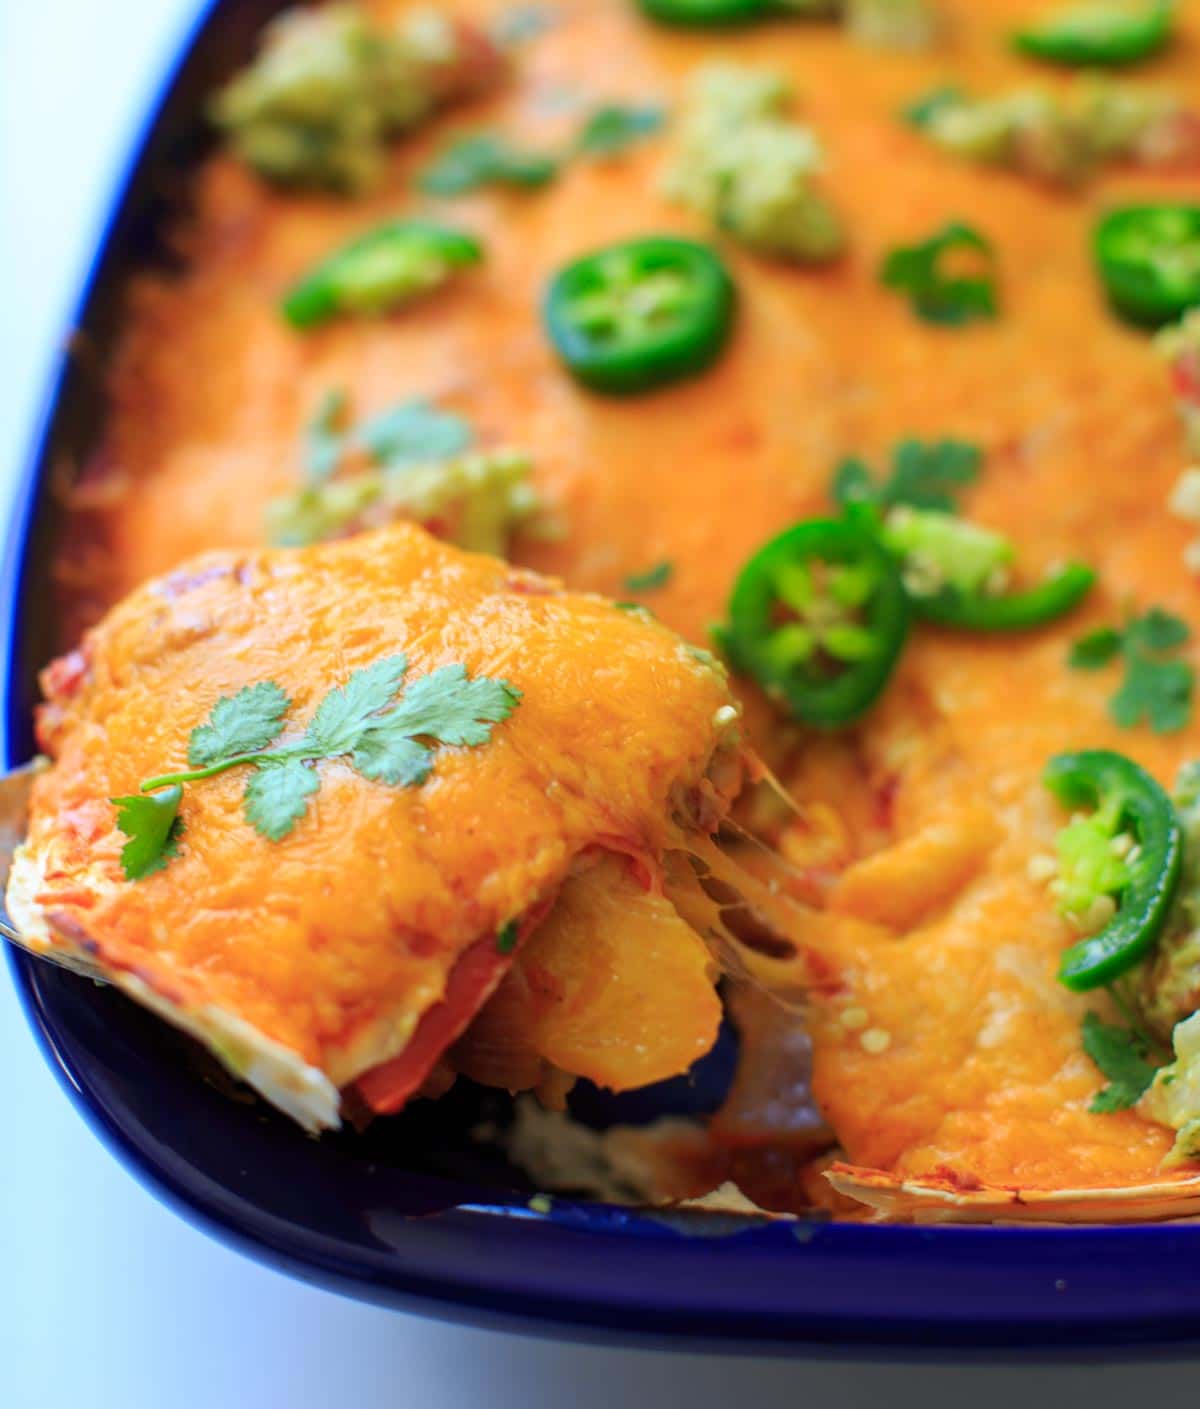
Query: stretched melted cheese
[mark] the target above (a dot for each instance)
(319, 955)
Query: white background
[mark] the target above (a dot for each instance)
(107, 1301)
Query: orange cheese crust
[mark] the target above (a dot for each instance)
(335, 941)
(211, 390)
(919, 826)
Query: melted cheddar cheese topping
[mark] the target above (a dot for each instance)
(335, 941)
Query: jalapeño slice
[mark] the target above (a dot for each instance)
(1099, 35)
(379, 271)
(639, 314)
(1125, 800)
(1011, 611)
(702, 12)
(1148, 257)
(819, 617)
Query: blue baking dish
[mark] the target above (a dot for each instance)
(412, 1213)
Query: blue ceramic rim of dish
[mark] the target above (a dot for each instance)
(817, 1286)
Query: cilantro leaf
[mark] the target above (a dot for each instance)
(1157, 631)
(153, 825)
(1154, 690)
(1120, 1054)
(277, 795)
(484, 159)
(1160, 692)
(390, 756)
(950, 278)
(343, 715)
(924, 476)
(414, 433)
(506, 939)
(852, 483)
(323, 444)
(447, 706)
(1096, 649)
(362, 720)
(241, 723)
(614, 126)
(923, 111)
(652, 579)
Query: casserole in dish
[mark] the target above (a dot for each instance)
(846, 1064)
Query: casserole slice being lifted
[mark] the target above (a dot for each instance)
(399, 761)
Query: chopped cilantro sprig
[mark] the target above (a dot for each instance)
(481, 159)
(413, 433)
(383, 730)
(485, 159)
(1122, 1056)
(1157, 687)
(323, 436)
(153, 826)
(410, 433)
(612, 127)
(950, 278)
(923, 111)
(652, 579)
(923, 476)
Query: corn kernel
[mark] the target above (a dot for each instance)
(1184, 501)
(1042, 868)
